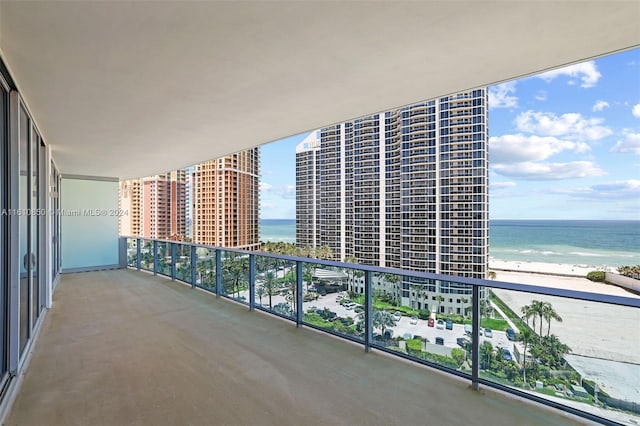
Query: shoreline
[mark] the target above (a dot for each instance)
(556, 275)
(559, 269)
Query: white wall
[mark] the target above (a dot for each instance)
(622, 281)
(89, 224)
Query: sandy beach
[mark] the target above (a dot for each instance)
(601, 336)
(557, 275)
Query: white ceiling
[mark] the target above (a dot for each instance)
(128, 89)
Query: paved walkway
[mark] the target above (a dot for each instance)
(126, 348)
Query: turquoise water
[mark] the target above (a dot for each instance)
(582, 242)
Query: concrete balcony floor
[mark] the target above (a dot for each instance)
(127, 348)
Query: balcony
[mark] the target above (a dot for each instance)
(126, 347)
(174, 347)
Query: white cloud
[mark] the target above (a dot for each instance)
(501, 185)
(508, 149)
(600, 105)
(587, 72)
(571, 125)
(629, 143)
(622, 189)
(636, 110)
(549, 171)
(541, 95)
(501, 95)
(264, 186)
(282, 191)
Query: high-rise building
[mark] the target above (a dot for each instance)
(406, 188)
(156, 206)
(129, 203)
(226, 201)
(164, 205)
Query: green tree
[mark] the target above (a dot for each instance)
(382, 320)
(261, 292)
(486, 355)
(270, 285)
(550, 314)
(458, 356)
(525, 335)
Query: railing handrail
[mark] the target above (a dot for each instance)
(633, 302)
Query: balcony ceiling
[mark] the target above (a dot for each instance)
(127, 89)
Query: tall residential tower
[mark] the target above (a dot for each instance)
(226, 201)
(406, 188)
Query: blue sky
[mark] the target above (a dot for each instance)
(562, 145)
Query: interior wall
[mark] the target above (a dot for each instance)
(89, 224)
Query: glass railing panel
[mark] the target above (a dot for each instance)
(164, 258)
(327, 302)
(582, 354)
(412, 317)
(235, 276)
(146, 255)
(132, 252)
(206, 268)
(275, 288)
(183, 262)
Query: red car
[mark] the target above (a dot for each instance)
(430, 322)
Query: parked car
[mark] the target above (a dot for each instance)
(413, 320)
(449, 325)
(407, 336)
(468, 329)
(339, 298)
(349, 305)
(397, 315)
(488, 333)
(440, 324)
(440, 341)
(431, 322)
(511, 335)
(461, 341)
(506, 354)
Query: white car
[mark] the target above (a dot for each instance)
(397, 315)
(440, 324)
(349, 305)
(413, 320)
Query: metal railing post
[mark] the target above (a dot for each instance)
(194, 266)
(155, 257)
(368, 311)
(475, 339)
(298, 295)
(252, 281)
(218, 273)
(173, 261)
(138, 254)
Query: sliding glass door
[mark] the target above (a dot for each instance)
(4, 231)
(30, 216)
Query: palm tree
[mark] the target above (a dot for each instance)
(538, 307)
(526, 335)
(382, 320)
(549, 313)
(270, 285)
(261, 292)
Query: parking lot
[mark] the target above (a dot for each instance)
(404, 327)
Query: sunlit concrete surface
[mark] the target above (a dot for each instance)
(126, 348)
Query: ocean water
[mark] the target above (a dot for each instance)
(576, 242)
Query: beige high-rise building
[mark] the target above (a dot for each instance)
(130, 204)
(226, 199)
(156, 206)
